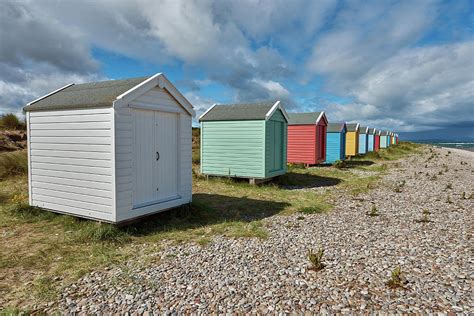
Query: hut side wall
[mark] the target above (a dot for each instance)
(363, 143)
(302, 144)
(370, 142)
(71, 161)
(233, 148)
(352, 143)
(334, 148)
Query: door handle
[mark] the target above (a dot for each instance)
(157, 156)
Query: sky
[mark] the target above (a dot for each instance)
(406, 66)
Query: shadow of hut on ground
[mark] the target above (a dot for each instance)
(206, 209)
(295, 180)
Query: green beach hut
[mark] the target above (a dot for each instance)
(244, 140)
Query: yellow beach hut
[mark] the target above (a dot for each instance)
(352, 139)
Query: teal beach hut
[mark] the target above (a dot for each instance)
(363, 141)
(336, 142)
(384, 136)
(370, 139)
(244, 140)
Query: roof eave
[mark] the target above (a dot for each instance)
(45, 96)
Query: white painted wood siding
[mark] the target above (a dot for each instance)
(71, 167)
(160, 100)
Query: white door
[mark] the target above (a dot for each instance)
(155, 161)
(167, 148)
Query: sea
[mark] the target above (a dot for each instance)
(465, 145)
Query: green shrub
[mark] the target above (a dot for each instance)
(10, 121)
(13, 163)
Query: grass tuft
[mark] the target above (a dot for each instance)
(316, 259)
(312, 210)
(13, 163)
(396, 280)
(100, 232)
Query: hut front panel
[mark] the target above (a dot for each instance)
(71, 162)
(363, 143)
(333, 149)
(302, 144)
(376, 142)
(370, 142)
(352, 143)
(383, 142)
(125, 128)
(233, 148)
(276, 142)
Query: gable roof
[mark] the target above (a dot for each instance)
(363, 130)
(352, 127)
(336, 127)
(242, 111)
(384, 133)
(105, 94)
(371, 131)
(309, 118)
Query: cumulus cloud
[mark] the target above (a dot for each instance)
(421, 88)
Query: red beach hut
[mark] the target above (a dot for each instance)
(377, 140)
(307, 138)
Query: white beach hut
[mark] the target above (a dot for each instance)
(111, 151)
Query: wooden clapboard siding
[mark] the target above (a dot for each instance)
(71, 168)
(335, 149)
(363, 143)
(370, 142)
(376, 142)
(233, 148)
(383, 141)
(352, 143)
(276, 142)
(302, 144)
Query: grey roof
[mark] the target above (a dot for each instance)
(384, 133)
(85, 95)
(238, 112)
(371, 131)
(303, 118)
(335, 127)
(351, 127)
(363, 129)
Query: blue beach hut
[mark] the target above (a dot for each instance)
(363, 142)
(384, 139)
(370, 139)
(336, 142)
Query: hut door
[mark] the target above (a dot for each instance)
(155, 158)
(277, 145)
(167, 154)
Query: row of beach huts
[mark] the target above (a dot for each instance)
(257, 140)
(118, 150)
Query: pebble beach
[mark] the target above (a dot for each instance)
(422, 224)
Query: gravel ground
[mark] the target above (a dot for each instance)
(361, 251)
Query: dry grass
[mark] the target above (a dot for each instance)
(13, 163)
